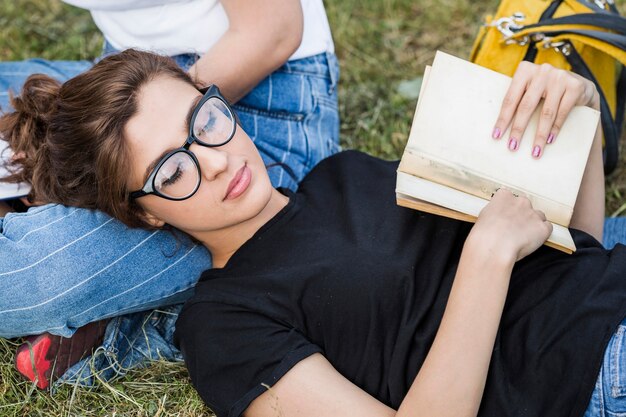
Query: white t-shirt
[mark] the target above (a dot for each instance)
(175, 27)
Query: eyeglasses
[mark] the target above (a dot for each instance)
(177, 175)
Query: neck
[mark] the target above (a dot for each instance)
(225, 242)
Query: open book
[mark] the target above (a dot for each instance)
(451, 165)
(9, 190)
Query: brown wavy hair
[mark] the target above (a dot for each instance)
(69, 139)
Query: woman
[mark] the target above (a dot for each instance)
(279, 67)
(286, 100)
(334, 301)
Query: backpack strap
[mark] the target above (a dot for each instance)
(611, 133)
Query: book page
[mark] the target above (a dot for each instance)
(450, 141)
(430, 197)
(9, 190)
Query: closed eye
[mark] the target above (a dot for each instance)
(172, 178)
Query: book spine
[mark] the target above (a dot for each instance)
(459, 178)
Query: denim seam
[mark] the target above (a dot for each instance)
(327, 101)
(27, 215)
(133, 309)
(616, 386)
(305, 73)
(305, 126)
(601, 396)
(284, 115)
(45, 225)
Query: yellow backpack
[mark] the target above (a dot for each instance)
(587, 37)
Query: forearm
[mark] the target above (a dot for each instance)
(589, 208)
(258, 41)
(452, 378)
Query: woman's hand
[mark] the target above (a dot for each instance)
(508, 226)
(560, 90)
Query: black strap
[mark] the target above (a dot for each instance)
(621, 102)
(611, 134)
(606, 21)
(619, 41)
(531, 52)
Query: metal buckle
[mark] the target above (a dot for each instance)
(603, 3)
(563, 47)
(508, 27)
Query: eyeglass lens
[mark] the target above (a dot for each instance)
(214, 123)
(179, 176)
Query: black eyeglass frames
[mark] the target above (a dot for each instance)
(177, 175)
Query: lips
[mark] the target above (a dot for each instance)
(239, 184)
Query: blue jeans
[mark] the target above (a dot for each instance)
(63, 267)
(609, 396)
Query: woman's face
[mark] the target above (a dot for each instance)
(234, 185)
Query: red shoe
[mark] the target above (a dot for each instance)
(44, 358)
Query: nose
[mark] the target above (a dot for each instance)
(213, 161)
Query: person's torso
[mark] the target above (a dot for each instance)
(368, 281)
(174, 27)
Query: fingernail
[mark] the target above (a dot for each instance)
(550, 138)
(512, 144)
(537, 151)
(496, 133)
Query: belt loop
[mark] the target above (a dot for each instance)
(333, 71)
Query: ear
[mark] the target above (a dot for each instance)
(153, 221)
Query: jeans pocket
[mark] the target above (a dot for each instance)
(276, 114)
(615, 395)
(281, 96)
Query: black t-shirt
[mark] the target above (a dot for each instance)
(342, 270)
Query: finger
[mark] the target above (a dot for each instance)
(549, 227)
(546, 119)
(512, 98)
(541, 215)
(569, 100)
(525, 110)
(524, 201)
(587, 88)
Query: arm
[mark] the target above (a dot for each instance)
(458, 361)
(262, 35)
(589, 209)
(452, 378)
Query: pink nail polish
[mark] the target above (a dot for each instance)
(550, 138)
(537, 151)
(512, 144)
(496, 133)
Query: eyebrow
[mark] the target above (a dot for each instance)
(156, 160)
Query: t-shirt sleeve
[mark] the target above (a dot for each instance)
(233, 354)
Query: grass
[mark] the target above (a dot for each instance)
(380, 43)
